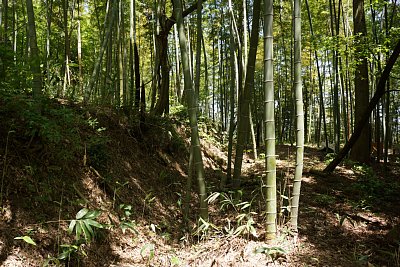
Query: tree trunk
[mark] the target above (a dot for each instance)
(233, 88)
(243, 120)
(162, 68)
(269, 182)
(195, 141)
(360, 152)
(137, 76)
(79, 41)
(198, 49)
(321, 96)
(34, 56)
(103, 47)
(177, 67)
(294, 210)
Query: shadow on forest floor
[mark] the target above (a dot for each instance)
(350, 217)
(136, 177)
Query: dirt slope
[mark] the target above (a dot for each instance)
(56, 162)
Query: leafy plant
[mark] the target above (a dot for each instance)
(244, 218)
(179, 201)
(231, 199)
(93, 123)
(247, 227)
(148, 251)
(69, 251)
(84, 223)
(118, 187)
(204, 228)
(148, 199)
(26, 239)
(126, 221)
(81, 226)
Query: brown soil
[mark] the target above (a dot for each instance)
(349, 218)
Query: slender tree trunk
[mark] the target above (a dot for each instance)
(252, 133)
(49, 12)
(103, 47)
(321, 94)
(155, 77)
(177, 67)
(195, 141)
(243, 121)
(131, 52)
(220, 74)
(34, 55)
(387, 102)
(206, 90)
(79, 39)
(294, 210)
(233, 89)
(66, 81)
(198, 49)
(121, 70)
(336, 109)
(269, 183)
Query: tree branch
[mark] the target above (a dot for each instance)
(171, 20)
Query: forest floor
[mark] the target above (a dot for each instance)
(65, 158)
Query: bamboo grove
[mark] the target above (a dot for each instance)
(262, 74)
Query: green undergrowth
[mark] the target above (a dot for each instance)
(54, 152)
(372, 188)
(49, 128)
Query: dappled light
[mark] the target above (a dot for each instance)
(199, 133)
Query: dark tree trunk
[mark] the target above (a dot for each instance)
(162, 69)
(361, 149)
(137, 76)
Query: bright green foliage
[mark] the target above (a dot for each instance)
(26, 239)
(244, 224)
(83, 224)
(126, 221)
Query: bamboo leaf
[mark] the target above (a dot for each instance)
(71, 226)
(86, 231)
(92, 214)
(27, 239)
(94, 223)
(81, 213)
(211, 198)
(78, 230)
